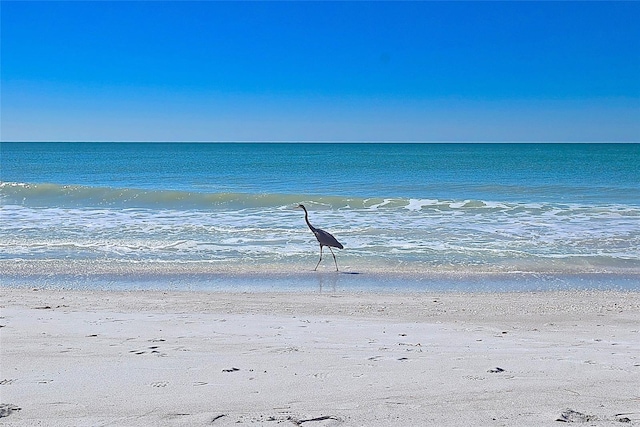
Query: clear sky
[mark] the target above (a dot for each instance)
(320, 71)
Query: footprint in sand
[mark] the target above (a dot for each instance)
(473, 378)
(150, 350)
(6, 409)
(332, 420)
(159, 384)
(320, 375)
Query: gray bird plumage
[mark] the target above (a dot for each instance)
(324, 238)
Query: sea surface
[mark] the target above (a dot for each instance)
(418, 217)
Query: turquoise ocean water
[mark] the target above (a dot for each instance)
(411, 216)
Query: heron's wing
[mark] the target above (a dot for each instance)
(327, 239)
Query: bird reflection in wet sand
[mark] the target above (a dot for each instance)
(324, 238)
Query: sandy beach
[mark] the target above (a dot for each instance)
(147, 358)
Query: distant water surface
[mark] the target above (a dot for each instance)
(411, 216)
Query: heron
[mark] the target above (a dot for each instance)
(324, 238)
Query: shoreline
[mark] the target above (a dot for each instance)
(77, 357)
(297, 277)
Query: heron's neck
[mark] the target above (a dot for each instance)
(306, 218)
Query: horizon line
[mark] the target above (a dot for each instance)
(322, 142)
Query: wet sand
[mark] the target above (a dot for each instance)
(150, 358)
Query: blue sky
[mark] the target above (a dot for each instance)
(320, 71)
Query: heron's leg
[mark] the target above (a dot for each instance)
(319, 259)
(334, 258)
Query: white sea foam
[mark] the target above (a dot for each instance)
(427, 230)
(418, 204)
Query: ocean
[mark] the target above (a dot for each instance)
(417, 217)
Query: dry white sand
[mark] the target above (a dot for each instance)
(74, 358)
